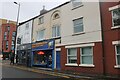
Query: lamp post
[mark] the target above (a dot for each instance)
(16, 26)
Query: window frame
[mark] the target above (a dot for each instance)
(41, 20)
(57, 29)
(79, 26)
(116, 55)
(91, 55)
(113, 24)
(72, 56)
(38, 35)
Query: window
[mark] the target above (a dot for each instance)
(27, 26)
(40, 34)
(12, 48)
(12, 42)
(118, 54)
(14, 33)
(78, 25)
(6, 45)
(76, 3)
(5, 34)
(56, 16)
(8, 28)
(13, 38)
(41, 20)
(116, 17)
(56, 31)
(72, 55)
(86, 55)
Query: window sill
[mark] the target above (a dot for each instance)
(71, 64)
(77, 7)
(87, 65)
(115, 27)
(78, 33)
(117, 66)
(56, 37)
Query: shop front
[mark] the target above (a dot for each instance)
(43, 54)
(24, 54)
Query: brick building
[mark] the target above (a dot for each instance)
(8, 32)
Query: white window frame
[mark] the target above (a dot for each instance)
(114, 43)
(80, 26)
(117, 65)
(38, 35)
(56, 31)
(86, 65)
(73, 64)
(112, 9)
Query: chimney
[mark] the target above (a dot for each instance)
(43, 10)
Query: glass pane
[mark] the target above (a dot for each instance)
(116, 17)
(118, 60)
(72, 51)
(53, 31)
(118, 49)
(87, 60)
(72, 59)
(78, 28)
(58, 31)
(86, 50)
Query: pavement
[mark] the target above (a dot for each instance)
(55, 73)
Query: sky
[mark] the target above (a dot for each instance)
(28, 8)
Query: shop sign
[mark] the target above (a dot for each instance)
(48, 44)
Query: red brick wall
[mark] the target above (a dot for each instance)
(97, 56)
(9, 36)
(109, 36)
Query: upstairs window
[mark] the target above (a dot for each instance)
(56, 16)
(118, 54)
(78, 25)
(40, 35)
(41, 20)
(116, 17)
(27, 26)
(8, 28)
(76, 3)
(56, 31)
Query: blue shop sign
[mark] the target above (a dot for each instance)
(43, 45)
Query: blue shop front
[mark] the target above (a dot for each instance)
(43, 53)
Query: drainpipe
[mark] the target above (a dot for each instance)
(102, 35)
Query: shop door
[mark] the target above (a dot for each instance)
(58, 60)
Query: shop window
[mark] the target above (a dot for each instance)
(116, 17)
(86, 55)
(72, 55)
(43, 58)
(78, 25)
(118, 54)
(56, 31)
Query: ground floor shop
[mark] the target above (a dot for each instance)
(43, 54)
(24, 54)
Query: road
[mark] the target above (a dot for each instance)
(12, 73)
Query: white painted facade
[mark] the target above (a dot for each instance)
(24, 33)
(91, 25)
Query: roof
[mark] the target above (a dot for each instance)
(44, 13)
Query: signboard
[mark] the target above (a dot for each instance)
(47, 44)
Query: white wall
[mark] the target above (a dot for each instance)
(91, 21)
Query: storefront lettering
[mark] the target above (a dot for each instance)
(39, 44)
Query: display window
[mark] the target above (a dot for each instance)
(43, 58)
